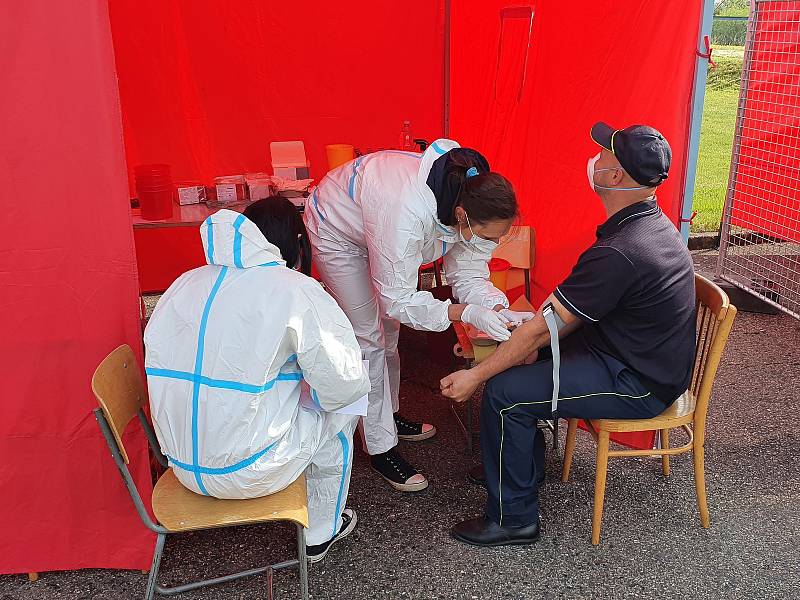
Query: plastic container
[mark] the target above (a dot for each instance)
(498, 273)
(339, 154)
(155, 205)
(154, 190)
(406, 139)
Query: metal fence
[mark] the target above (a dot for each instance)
(760, 235)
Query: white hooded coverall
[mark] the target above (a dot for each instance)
(226, 350)
(372, 223)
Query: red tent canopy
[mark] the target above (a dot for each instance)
(205, 86)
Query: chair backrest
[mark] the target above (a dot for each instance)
(120, 391)
(518, 247)
(715, 315)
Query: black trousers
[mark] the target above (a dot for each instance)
(594, 385)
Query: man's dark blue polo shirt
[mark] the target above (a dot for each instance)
(634, 291)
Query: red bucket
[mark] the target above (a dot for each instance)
(156, 205)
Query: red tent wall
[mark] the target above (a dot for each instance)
(206, 85)
(69, 292)
(529, 108)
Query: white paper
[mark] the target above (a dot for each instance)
(359, 407)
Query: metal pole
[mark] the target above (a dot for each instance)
(698, 99)
(446, 116)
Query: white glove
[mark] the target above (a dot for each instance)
(516, 318)
(491, 322)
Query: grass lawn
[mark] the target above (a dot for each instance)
(716, 137)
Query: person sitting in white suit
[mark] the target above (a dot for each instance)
(229, 349)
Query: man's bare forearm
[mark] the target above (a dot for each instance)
(526, 339)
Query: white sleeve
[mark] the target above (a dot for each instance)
(327, 351)
(468, 272)
(395, 256)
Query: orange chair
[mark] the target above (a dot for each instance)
(715, 315)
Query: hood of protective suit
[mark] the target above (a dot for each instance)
(230, 239)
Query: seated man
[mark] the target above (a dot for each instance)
(633, 293)
(228, 348)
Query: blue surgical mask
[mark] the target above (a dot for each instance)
(590, 171)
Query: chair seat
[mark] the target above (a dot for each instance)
(179, 509)
(680, 412)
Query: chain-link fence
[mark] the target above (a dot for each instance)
(760, 235)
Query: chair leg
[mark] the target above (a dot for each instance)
(33, 576)
(303, 566)
(569, 448)
(157, 554)
(470, 432)
(665, 457)
(700, 485)
(437, 275)
(600, 484)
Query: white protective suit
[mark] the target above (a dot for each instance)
(226, 350)
(372, 223)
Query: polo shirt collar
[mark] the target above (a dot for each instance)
(648, 206)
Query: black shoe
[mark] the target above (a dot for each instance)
(483, 532)
(411, 431)
(477, 476)
(318, 552)
(401, 475)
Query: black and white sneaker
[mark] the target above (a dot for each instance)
(401, 475)
(411, 431)
(318, 552)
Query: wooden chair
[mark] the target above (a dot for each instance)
(117, 383)
(715, 315)
(519, 249)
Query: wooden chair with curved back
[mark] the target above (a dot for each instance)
(715, 315)
(120, 391)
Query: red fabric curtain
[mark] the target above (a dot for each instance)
(766, 196)
(69, 292)
(530, 78)
(207, 85)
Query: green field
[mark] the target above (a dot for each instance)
(716, 137)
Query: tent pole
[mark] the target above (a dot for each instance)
(446, 114)
(698, 99)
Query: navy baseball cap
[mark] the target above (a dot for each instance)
(641, 150)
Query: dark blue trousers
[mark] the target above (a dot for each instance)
(594, 385)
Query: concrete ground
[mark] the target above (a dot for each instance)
(652, 544)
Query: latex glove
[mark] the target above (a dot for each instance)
(488, 321)
(516, 318)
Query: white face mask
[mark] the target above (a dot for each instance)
(590, 171)
(476, 243)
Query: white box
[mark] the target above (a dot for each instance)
(289, 160)
(191, 194)
(226, 193)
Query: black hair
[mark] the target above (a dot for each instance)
(281, 223)
(488, 197)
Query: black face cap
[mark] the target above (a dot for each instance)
(641, 150)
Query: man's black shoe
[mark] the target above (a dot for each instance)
(483, 532)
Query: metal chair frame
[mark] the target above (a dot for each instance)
(152, 583)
